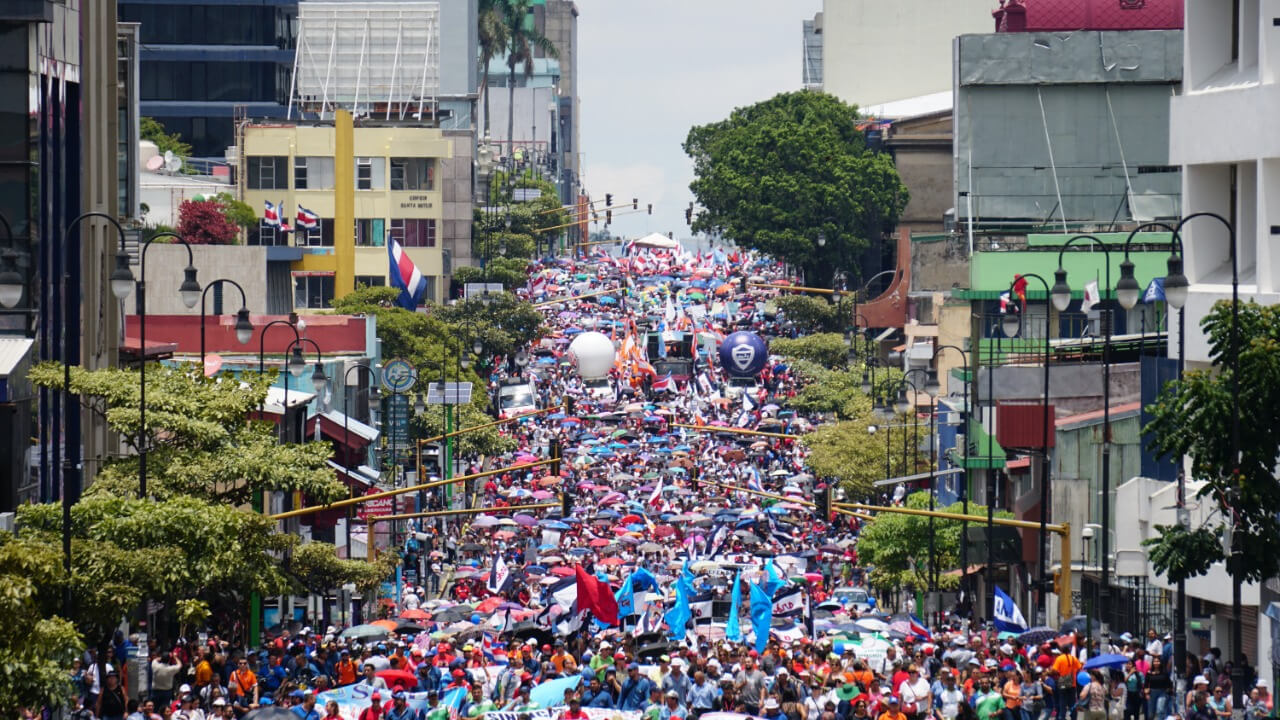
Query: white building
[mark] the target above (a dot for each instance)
(1223, 132)
(878, 52)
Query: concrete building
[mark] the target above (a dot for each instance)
(365, 184)
(201, 59)
(58, 159)
(1232, 70)
(1064, 130)
(878, 52)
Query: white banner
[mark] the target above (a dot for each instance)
(555, 712)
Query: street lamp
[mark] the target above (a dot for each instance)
(244, 328)
(934, 388)
(189, 291)
(346, 437)
(1010, 330)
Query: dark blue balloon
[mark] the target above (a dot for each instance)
(743, 354)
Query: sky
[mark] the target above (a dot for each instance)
(649, 71)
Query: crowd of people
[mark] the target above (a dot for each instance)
(512, 614)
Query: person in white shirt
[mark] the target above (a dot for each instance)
(949, 697)
(1155, 648)
(917, 701)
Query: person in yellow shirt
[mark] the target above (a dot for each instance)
(204, 670)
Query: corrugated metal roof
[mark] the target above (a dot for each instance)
(13, 350)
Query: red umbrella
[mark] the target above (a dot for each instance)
(664, 531)
(599, 542)
(562, 570)
(630, 519)
(415, 614)
(402, 679)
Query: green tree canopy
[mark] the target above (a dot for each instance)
(201, 441)
(776, 175)
(896, 546)
(503, 323)
(1193, 417)
(825, 349)
(809, 313)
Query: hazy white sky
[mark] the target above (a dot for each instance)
(648, 71)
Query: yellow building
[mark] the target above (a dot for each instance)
(392, 189)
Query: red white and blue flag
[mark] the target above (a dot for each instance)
(307, 219)
(404, 275)
(663, 384)
(270, 215)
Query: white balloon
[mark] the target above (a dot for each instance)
(593, 354)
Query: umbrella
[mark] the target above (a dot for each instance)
(485, 521)
(1037, 635)
(271, 712)
(415, 614)
(1109, 660)
(401, 679)
(366, 632)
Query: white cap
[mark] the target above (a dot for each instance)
(306, 630)
(219, 702)
(1007, 649)
(184, 689)
(1262, 683)
(1200, 680)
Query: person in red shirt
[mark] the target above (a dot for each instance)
(575, 711)
(375, 711)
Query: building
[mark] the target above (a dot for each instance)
(201, 59)
(1065, 130)
(557, 20)
(389, 189)
(58, 159)
(811, 53)
(1231, 69)
(878, 52)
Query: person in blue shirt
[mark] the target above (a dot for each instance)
(596, 696)
(400, 709)
(634, 694)
(305, 710)
(672, 707)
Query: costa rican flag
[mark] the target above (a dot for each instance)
(663, 384)
(307, 219)
(270, 215)
(404, 275)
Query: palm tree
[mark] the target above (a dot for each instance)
(523, 40)
(491, 28)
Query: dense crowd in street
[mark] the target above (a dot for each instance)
(664, 594)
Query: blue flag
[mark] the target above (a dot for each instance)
(1007, 616)
(761, 615)
(1154, 291)
(771, 582)
(680, 614)
(640, 580)
(732, 630)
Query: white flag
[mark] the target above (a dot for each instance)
(1091, 297)
(499, 575)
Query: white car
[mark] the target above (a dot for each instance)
(517, 399)
(738, 385)
(600, 389)
(853, 598)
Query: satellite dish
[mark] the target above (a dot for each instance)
(154, 163)
(172, 162)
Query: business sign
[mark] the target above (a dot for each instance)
(375, 508)
(396, 422)
(398, 376)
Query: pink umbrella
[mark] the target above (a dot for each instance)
(543, 495)
(525, 458)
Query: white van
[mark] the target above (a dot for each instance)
(517, 399)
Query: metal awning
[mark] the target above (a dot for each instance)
(15, 358)
(364, 474)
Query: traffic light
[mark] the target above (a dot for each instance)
(608, 217)
(1057, 585)
(568, 405)
(823, 501)
(608, 199)
(635, 203)
(742, 285)
(688, 215)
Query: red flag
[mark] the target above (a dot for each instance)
(596, 596)
(1020, 288)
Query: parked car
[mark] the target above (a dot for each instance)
(854, 598)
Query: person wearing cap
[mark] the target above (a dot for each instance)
(677, 680)
(400, 709)
(1199, 684)
(893, 710)
(653, 706)
(1258, 703)
(771, 709)
(596, 695)
(375, 711)
(522, 703)
(306, 708)
(574, 712)
(222, 710)
(672, 706)
(633, 693)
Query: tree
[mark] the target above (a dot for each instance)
(236, 212)
(317, 567)
(491, 31)
(522, 222)
(489, 441)
(503, 323)
(201, 443)
(777, 175)
(151, 129)
(825, 349)
(507, 271)
(809, 314)
(854, 455)
(523, 40)
(36, 648)
(896, 546)
(1193, 417)
(203, 222)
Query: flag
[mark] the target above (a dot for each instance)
(655, 497)
(642, 580)
(1091, 296)
(650, 622)
(790, 601)
(270, 215)
(1020, 289)
(700, 606)
(596, 597)
(404, 275)
(1007, 616)
(718, 538)
(307, 219)
(563, 593)
(499, 575)
(680, 613)
(662, 384)
(1154, 291)
(1004, 302)
(733, 631)
(761, 615)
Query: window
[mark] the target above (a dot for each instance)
(313, 291)
(414, 232)
(413, 173)
(267, 172)
(370, 232)
(371, 280)
(313, 173)
(267, 235)
(319, 236)
(370, 173)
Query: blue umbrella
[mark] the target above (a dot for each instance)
(556, 416)
(1110, 660)
(608, 300)
(551, 693)
(538, 569)
(554, 525)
